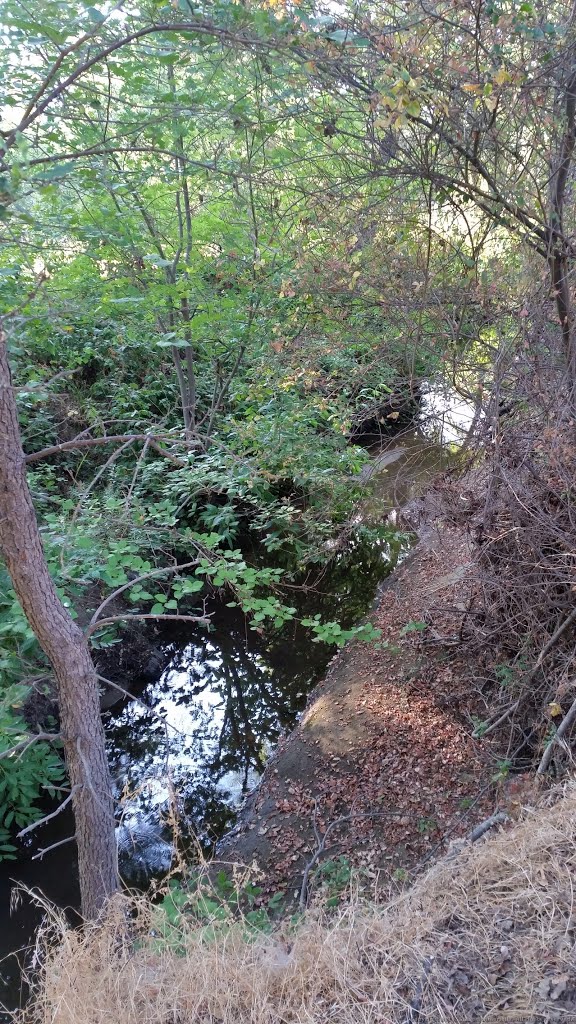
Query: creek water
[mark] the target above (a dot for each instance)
(197, 737)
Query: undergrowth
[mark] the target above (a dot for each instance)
(487, 934)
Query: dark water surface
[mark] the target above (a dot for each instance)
(197, 738)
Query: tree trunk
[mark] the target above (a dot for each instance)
(66, 647)
(560, 254)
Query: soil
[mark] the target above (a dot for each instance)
(386, 741)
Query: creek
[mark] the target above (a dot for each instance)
(196, 738)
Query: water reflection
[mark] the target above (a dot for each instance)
(446, 415)
(197, 739)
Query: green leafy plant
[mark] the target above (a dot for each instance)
(33, 772)
(413, 627)
(333, 877)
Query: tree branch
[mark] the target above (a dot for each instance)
(321, 840)
(92, 442)
(48, 849)
(200, 619)
(567, 721)
(42, 737)
(164, 571)
(48, 817)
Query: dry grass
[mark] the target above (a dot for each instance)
(486, 935)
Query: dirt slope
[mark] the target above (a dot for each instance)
(386, 739)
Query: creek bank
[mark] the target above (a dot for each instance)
(385, 743)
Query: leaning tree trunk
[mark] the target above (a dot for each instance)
(66, 647)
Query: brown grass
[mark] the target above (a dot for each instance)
(486, 935)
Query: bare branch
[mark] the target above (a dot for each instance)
(565, 724)
(321, 840)
(92, 442)
(164, 571)
(48, 849)
(200, 619)
(48, 817)
(200, 25)
(47, 737)
(527, 679)
(499, 818)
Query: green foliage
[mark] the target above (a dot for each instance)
(220, 902)
(333, 878)
(413, 627)
(503, 771)
(333, 633)
(27, 776)
(213, 905)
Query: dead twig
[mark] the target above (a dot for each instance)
(48, 849)
(567, 721)
(526, 680)
(498, 818)
(321, 841)
(48, 817)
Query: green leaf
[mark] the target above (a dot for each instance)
(156, 260)
(95, 15)
(413, 627)
(57, 171)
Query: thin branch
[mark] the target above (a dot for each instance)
(499, 818)
(567, 721)
(321, 840)
(137, 468)
(166, 570)
(144, 706)
(48, 849)
(92, 442)
(551, 642)
(38, 385)
(200, 619)
(528, 679)
(109, 462)
(21, 747)
(202, 26)
(48, 817)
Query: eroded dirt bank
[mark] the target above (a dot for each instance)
(386, 741)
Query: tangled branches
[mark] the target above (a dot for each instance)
(524, 524)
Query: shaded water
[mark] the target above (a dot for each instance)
(197, 737)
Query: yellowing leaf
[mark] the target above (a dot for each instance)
(490, 102)
(413, 108)
(501, 77)
(470, 87)
(555, 709)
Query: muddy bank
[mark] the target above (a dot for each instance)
(385, 743)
